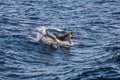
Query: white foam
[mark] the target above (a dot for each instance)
(37, 34)
(75, 42)
(50, 27)
(54, 28)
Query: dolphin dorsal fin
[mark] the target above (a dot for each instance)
(65, 37)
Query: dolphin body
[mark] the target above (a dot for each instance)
(63, 40)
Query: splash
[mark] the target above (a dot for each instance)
(38, 33)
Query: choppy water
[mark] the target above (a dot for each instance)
(96, 28)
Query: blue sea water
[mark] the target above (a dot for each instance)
(96, 30)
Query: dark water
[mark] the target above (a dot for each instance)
(96, 28)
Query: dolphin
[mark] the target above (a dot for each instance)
(56, 40)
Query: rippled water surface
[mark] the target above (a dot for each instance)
(96, 28)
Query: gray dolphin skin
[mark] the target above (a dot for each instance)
(56, 40)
